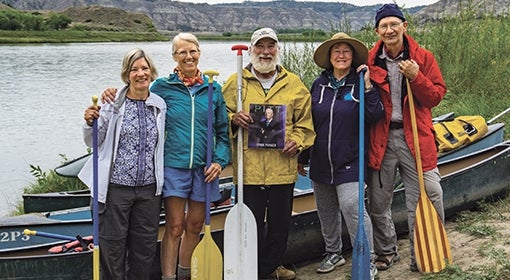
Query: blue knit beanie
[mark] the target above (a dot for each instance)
(388, 10)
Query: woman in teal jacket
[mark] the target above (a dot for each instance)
(185, 93)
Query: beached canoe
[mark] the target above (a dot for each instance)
(34, 262)
(69, 222)
(54, 201)
(494, 135)
(465, 181)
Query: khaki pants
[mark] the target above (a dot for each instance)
(380, 193)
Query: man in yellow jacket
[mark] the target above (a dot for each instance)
(270, 171)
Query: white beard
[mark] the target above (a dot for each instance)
(263, 67)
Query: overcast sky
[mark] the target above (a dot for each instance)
(402, 3)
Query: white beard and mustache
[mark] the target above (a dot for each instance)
(262, 66)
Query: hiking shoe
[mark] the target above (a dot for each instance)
(330, 261)
(373, 271)
(281, 273)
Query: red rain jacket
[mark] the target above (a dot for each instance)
(428, 89)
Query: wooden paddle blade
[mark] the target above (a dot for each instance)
(361, 256)
(240, 246)
(206, 260)
(431, 245)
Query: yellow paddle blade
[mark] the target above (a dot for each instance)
(206, 260)
(95, 262)
(431, 245)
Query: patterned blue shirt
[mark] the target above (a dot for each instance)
(134, 163)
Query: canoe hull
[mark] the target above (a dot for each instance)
(465, 180)
(483, 175)
(46, 202)
(66, 200)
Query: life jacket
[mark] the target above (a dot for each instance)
(79, 245)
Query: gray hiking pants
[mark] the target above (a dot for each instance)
(128, 232)
(333, 203)
(380, 193)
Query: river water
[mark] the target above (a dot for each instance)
(45, 89)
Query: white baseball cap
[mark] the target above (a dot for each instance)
(263, 33)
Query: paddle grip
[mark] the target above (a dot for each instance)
(239, 49)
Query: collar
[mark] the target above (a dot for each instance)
(388, 55)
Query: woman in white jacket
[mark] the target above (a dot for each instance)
(131, 134)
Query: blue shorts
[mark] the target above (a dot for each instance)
(189, 183)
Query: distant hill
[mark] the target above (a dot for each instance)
(237, 18)
(4, 7)
(109, 19)
(249, 15)
(445, 8)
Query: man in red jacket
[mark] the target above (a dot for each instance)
(395, 58)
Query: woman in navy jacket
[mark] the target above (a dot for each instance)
(333, 159)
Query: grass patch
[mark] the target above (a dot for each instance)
(474, 222)
(76, 36)
(49, 181)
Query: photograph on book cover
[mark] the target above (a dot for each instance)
(268, 128)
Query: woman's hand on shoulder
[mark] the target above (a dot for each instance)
(108, 95)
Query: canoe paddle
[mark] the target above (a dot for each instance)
(206, 260)
(240, 231)
(83, 243)
(48, 234)
(95, 202)
(431, 246)
(361, 249)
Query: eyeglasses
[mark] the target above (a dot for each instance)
(392, 25)
(184, 54)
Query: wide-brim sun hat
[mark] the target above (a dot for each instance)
(321, 55)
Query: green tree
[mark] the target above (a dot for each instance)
(10, 20)
(58, 21)
(33, 22)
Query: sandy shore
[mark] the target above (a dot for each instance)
(399, 270)
(467, 251)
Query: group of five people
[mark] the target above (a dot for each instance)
(152, 148)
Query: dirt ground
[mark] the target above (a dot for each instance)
(464, 250)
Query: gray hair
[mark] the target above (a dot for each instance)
(130, 58)
(188, 37)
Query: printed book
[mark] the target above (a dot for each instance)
(268, 128)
